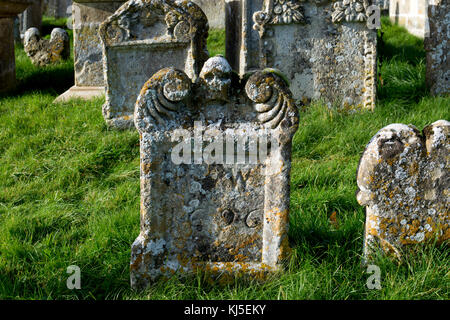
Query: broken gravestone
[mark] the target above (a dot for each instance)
(141, 38)
(324, 48)
(404, 183)
(215, 167)
(437, 44)
(43, 52)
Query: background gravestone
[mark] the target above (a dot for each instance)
(87, 16)
(140, 39)
(221, 214)
(437, 46)
(324, 48)
(404, 183)
(215, 12)
(8, 11)
(31, 17)
(57, 8)
(411, 14)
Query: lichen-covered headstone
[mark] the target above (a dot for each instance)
(437, 45)
(325, 48)
(43, 52)
(215, 167)
(404, 183)
(141, 38)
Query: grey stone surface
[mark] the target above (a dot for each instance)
(404, 183)
(324, 48)
(215, 12)
(9, 9)
(140, 39)
(437, 46)
(31, 17)
(213, 212)
(43, 52)
(88, 64)
(57, 8)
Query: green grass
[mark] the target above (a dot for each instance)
(69, 195)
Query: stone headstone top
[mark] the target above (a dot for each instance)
(403, 179)
(141, 38)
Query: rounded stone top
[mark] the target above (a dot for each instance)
(217, 64)
(32, 32)
(59, 33)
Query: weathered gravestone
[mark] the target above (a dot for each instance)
(87, 16)
(325, 48)
(8, 11)
(221, 206)
(43, 52)
(141, 38)
(404, 183)
(437, 46)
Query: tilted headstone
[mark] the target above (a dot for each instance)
(404, 183)
(87, 15)
(140, 39)
(437, 46)
(215, 167)
(325, 48)
(43, 52)
(9, 9)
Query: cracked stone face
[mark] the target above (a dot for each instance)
(43, 52)
(210, 199)
(403, 179)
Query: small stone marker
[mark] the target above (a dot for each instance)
(141, 38)
(223, 206)
(325, 48)
(404, 183)
(43, 52)
(437, 46)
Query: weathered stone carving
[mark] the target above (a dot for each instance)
(350, 10)
(278, 12)
(148, 35)
(437, 45)
(43, 52)
(404, 183)
(217, 211)
(328, 54)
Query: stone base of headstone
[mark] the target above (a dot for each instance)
(85, 93)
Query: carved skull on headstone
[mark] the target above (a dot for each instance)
(216, 76)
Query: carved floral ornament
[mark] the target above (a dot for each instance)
(291, 11)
